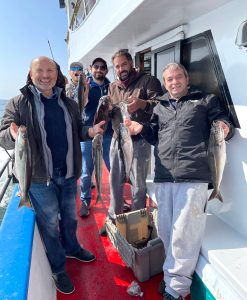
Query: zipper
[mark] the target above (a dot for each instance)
(174, 133)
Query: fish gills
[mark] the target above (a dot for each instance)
(97, 159)
(23, 165)
(217, 158)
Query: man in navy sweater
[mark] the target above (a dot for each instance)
(55, 130)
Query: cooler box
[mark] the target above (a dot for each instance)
(137, 242)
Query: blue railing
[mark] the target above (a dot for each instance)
(16, 239)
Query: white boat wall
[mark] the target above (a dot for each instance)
(201, 35)
(24, 268)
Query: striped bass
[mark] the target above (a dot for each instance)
(23, 165)
(102, 113)
(126, 145)
(217, 158)
(79, 95)
(97, 160)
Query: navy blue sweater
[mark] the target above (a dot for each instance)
(96, 91)
(55, 128)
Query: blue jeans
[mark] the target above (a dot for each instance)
(59, 237)
(87, 166)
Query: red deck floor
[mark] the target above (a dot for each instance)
(107, 277)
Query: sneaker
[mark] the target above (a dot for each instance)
(102, 231)
(168, 296)
(84, 210)
(162, 288)
(83, 255)
(63, 283)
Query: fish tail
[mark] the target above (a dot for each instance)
(25, 202)
(216, 195)
(127, 180)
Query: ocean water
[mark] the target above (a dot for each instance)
(3, 158)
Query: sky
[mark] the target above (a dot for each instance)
(25, 28)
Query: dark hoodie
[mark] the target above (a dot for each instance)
(140, 85)
(181, 136)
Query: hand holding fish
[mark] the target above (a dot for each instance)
(217, 156)
(133, 126)
(225, 127)
(135, 103)
(13, 130)
(97, 128)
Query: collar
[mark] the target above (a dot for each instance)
(53, 96)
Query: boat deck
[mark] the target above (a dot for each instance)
(107, 277)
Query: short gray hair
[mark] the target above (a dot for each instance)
(176, 66)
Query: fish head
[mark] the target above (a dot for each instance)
(22, 135)
(217, 132)
(104, 102)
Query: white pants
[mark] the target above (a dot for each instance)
(181, 224)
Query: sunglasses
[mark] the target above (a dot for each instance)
(101, 67)
(76, 68)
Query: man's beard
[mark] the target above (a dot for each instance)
(125, 76)
(99, 77)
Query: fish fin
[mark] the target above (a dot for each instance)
(25, 202)
(215, 195)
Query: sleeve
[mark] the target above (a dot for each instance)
(150, 130)
(11, 114)
(216, 113)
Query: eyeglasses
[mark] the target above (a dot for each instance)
(76, 68)
(101, 67)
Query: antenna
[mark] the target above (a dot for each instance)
(50, 49)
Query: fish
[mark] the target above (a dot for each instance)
(79, 95)
(23, 166)
(216, 158)
(126, 144)
(97, 160)
(124, 110)
(102, 113)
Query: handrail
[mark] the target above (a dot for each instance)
(7, 166)
(5, 186)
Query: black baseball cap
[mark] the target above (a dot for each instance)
(101, 60)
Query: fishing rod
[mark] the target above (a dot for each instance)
(50, 49)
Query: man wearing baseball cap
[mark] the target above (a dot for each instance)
(98, 88)
(75, 69)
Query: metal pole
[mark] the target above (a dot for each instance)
(50, 49)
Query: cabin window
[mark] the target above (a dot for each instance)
(164, 56)
(143, 61)
(200, 57)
